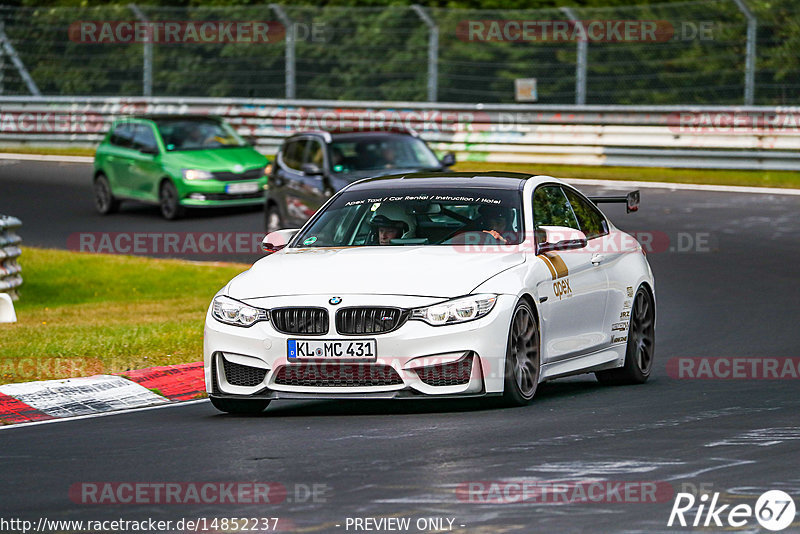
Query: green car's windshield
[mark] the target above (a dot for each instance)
(377, 152)
(197, 134)
(432, 216)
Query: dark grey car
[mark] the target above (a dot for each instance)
(312, 166)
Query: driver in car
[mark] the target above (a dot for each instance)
(496, 219)
(387, 229)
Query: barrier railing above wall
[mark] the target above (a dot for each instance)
(659, 136)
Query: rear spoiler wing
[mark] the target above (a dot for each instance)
(631, 200)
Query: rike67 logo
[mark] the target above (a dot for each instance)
(774, 510)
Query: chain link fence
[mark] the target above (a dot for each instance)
(726, 52)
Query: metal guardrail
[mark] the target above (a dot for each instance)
(749, 137)
(10, 277)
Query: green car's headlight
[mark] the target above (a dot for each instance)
(458, 310)
(196, 174)
(229, 311)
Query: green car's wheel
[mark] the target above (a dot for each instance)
(168, 201)
(104, 199)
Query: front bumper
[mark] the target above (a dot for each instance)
(415, 360)
(213, 193)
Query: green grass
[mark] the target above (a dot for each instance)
(55, 151)
(789, 179)
(82, 314)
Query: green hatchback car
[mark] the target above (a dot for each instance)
(177, 162)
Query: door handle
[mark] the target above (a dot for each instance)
(597, 259)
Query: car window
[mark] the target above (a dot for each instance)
(436, 216)
(122, 135)
(592, 222)
(374, 152)
(315, 154)
(197, 134)
(551, 208)
(293, 153)
(143, 137)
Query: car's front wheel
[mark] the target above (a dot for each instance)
(640, 349)
(241, 406)
(523, 359)
(104, 199)
(169, 202)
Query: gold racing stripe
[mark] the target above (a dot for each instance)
(558, 263)
(546, 261)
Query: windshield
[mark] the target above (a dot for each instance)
(435, 216)
(193, 134)
(381, 152)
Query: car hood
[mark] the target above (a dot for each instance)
(216, 159)
(431, 271)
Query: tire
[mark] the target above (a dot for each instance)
(104, 200)
(523, 357)
(240, 406)
(272, 219)
(168, 201)
(640, 349)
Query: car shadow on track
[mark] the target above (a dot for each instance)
(552, 391)
(136, 209)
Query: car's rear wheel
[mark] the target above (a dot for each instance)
(640, 349)
(169, 202)
(272, 218)
(242, 406)
(104, 199)
(523, 360)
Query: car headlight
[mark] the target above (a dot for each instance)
(196, 174)
(458, 310)
(229, 311)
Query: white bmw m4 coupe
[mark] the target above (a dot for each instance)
(435, 285)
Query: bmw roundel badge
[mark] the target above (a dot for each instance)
(335, 300)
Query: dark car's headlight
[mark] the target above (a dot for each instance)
(229, 311)
(458, 310)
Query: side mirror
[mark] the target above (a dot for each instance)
(558, 238)
(152, 150)
(311, 169)
(252, 140)
(449, 159)
(275, 241)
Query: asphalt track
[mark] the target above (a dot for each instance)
(738, 297)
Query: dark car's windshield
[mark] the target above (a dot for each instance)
(197, 134)
(430, 216)
(375, 152)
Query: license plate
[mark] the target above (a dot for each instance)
(247, 187)
(332, 349)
